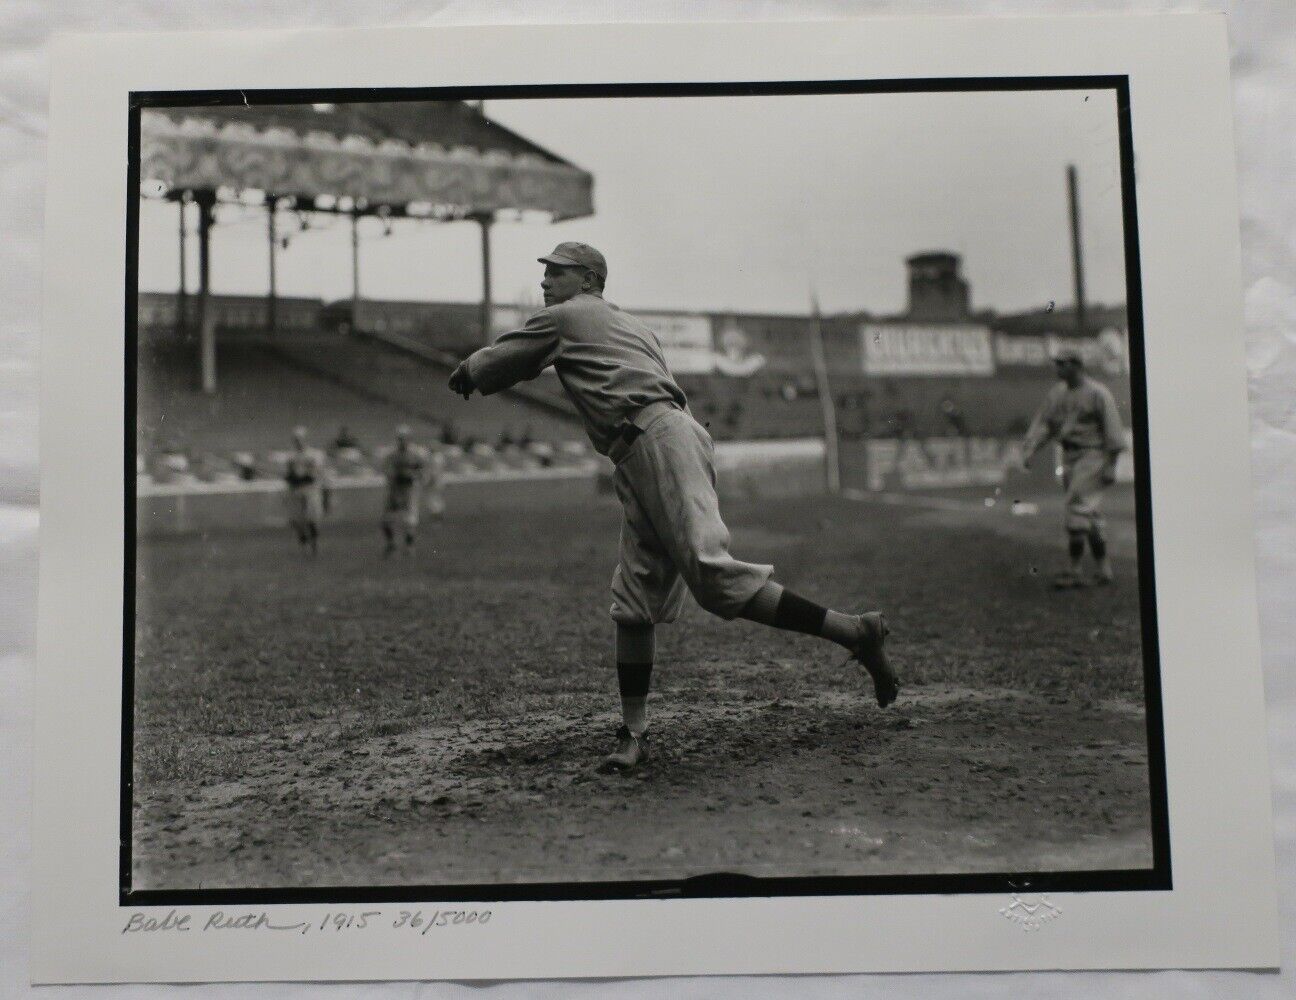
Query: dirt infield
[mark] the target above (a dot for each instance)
(351, 721)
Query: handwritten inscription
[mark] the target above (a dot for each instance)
(143, 922)
(440, 918)
(336, 921)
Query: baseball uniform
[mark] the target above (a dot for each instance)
(672, 538)
(1086, 424)
(407, 471)
(304, 475)
(612, 367)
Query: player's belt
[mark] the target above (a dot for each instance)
(630, 431)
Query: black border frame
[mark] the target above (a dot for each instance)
(722, 884)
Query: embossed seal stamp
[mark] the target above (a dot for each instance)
(1031, 914)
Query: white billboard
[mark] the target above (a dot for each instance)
(685, 340)
(1108, 352)
(926, 349)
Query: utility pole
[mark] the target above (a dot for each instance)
(827, 406)
(1077, 256)
(272, 204)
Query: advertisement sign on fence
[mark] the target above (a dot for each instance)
(1107, 353)
(686, 341)
(938, 463)
(926, 349)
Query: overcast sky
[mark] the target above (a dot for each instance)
(744, 203)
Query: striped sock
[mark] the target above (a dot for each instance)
(634, 654)
(779, 608)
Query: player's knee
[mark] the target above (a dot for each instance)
(709, 589)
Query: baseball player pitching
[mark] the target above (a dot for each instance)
(408, 468)
(305, 473)
(673, 539)
(1080, 414)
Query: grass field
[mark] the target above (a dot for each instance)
(354, 721)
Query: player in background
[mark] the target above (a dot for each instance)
(1080, 414)
(673, 540)
(306, 475)
(408, 468)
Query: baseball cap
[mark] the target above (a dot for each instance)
(577, 255)
(1067, 354)
(403, 430)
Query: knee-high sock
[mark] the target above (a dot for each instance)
(634, 655)
(1076, 548)
(779, 608)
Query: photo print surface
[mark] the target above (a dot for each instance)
(601, 492)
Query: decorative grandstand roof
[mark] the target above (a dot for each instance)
(442, 154)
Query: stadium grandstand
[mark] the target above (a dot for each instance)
(936, 371)
(222, 379)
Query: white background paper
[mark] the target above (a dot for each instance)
(1264, 35)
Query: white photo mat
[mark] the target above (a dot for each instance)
(1222, 909)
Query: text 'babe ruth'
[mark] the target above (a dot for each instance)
(1080, 414)
(673, 539)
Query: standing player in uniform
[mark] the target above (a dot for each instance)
(672, 540)
(1080, 414)
(408, 468)
(305, 475)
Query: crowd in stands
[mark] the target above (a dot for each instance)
(514, 450)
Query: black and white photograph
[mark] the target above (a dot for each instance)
(630, 500)
(604, 492)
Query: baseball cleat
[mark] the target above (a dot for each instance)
(1103, 575)
(630, 752)
(870, 652)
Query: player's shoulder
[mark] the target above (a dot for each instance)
(581, 305)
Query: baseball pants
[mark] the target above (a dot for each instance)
(672, 539)
(1082, 477)
(305, 505)
(402, 510)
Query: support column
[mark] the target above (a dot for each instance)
(272, 203)
(487, 306)
(206, 201)
(182, 295)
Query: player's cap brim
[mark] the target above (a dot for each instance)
(561, 261)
